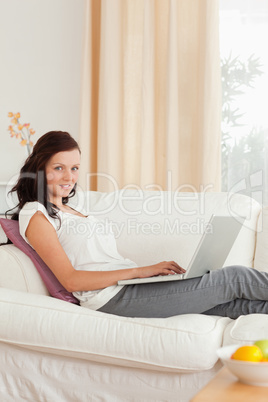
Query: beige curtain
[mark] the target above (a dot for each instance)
(151, 99)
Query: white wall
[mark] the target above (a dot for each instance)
(41, 45)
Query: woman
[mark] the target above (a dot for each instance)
(87, 262)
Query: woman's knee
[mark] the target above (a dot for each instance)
(237, 271)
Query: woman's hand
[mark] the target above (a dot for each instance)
(162, 268)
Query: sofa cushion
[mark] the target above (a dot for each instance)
(185, 343)
(11, 229)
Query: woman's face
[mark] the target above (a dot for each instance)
(62, 172)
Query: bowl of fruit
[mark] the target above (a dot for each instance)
(249, 363)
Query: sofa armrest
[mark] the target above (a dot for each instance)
(261, 252)
(18, 272)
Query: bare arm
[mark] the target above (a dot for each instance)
(43, 237)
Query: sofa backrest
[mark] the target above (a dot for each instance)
(150, 227)
(154, 226)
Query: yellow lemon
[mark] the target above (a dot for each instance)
(249, 353)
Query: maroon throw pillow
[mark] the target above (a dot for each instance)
(55, 288)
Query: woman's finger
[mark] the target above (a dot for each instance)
(179, 268)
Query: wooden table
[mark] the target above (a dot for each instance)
(225, 387)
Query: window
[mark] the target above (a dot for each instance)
(244, 61)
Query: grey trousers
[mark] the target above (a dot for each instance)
(228, 292)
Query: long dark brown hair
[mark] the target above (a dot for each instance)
(32, 183)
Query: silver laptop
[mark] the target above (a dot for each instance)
(211, 252)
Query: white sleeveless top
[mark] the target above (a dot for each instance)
(89, 244)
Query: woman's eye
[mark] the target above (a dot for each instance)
(58, 168)
(75, 168)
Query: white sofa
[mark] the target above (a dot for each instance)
(52, 350)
